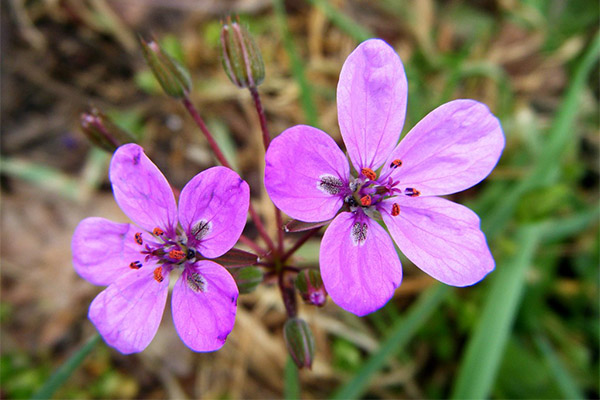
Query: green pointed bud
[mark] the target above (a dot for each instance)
(247, 279)
(102, 131)
(311, 288)
(172, 76)
(299, 341)
(240, 56)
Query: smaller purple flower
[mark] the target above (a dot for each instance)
(136, 261)
(453, 148)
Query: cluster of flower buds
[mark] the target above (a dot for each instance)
(240, 56)
(172, 76)
(102, 131)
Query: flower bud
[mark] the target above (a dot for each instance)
(102, 132)
(240, 56)
(247, 279)
(172, 76)
(311, 288)
(299, 341)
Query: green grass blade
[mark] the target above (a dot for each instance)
(306, 95)
(486, 346)
(349, 26)
(64, 372)
(399, 335)
(560, 133)
(564, 380)
(291, 387)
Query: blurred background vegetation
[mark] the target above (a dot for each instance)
(529, 330)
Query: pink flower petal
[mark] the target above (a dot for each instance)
(213, 207)
(371, 100)
(306, 174)
(359, 264)
(442, 238)
(453, 148)
(128, 312)
(142, 191)
(102, 249)
(204, 304)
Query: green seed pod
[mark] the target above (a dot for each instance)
(172, 76)
(299, 341)
(248, 278)
(102, 132)
(241, 56)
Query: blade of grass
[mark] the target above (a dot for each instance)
(349, 26)
(291, 387)
(482, 357)
(399, 335)
(64, 371)
(42, 176)
(545, 171)
(565, 381)
(306, 95)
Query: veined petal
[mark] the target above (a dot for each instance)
(371, 101)
(128, 312)
(102, 249)
(213, 207)
(306, 174)
(359, 264)
(453, 148)
(442, 238)
(204, 304)
(142, 191)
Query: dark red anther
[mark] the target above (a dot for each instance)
(411, 192)
(396, 163)
(366, 200)
(395, 209)
(158, 277)
(135, 265)
(368, 172)
(158, 232)
(138, 238)
(176, 254)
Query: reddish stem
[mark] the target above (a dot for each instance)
(299, 244)
(266, 141)
(215, 147)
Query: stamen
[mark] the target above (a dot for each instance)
(395, 209)
(412, 192)
(135, 265)
(368, 172)
(396, 163)
(366, 200)
(158, 232)
(176, 254)
(158, 277)
(138, 238)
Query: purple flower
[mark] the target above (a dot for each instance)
(136, 261)
(453, 148)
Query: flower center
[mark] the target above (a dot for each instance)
(368, 191)
(160, 249)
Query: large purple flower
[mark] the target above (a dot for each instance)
(136, 261)
(453, 148)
